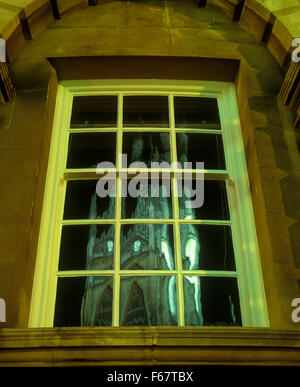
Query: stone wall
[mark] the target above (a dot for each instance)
(145, 36)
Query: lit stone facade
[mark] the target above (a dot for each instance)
(245, 42)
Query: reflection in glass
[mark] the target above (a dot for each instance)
(206, 247)
(215, 204)
(94, 111)
(147, 247)
(83, 301)
(195, 112)
(211, 301)
(87, 150)
(200, 147)
(82, 201)
(146, 301)
(146, 199)
(146, 147)
(146, 111)
(88, 247)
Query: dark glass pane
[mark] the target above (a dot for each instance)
(146, 199)
(87, 150)
(195, 112)
(146, 148)
(147, 247)
(215, 205)
(146, 301)
(83, 301)
(94, 111)
(211, 301)
(82, 201)
(206, 247)
(146, 111)
(87, 247)
(201, 148)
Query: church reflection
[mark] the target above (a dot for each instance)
(144, 300)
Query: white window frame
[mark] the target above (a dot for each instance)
(250, 282)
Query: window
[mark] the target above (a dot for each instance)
(127, 238)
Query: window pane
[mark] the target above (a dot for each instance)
(206, 247)
(147, 148)
(147, 247)
(87, 247)
(87, 150)
(211, 301)
(146, 301)
(83, 202)
(83, 301)
(97, 111)
(146, 111)
(199, 147)
(146, 199)
(215, 204)
(195, 112)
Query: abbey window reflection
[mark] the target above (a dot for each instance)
(150, 259)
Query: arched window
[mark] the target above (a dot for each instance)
(135, 311)
(103, 315)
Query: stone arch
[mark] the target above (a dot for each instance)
(276, 23)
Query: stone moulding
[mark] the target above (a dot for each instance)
(149, 346)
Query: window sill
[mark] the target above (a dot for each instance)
(149, 346)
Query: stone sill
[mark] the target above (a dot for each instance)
(149, 346)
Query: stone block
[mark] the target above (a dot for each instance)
(66, 6)
(255, 21)
(270, 178)
(39, 18)
(182, 14)
(277, 7)
(280, 42)
(11, 31)
(227, 6)
(34, 14)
